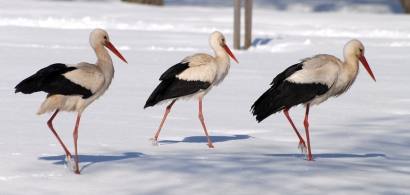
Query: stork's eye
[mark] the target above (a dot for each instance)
(223, 40)
(361, 50)
(105, 37)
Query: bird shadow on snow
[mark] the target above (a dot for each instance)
(203, 139)
(330, 155)
(93, 159)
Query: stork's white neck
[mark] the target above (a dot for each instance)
(104, 62)
(351, 64)
(223, 63)
(348, 73)
(102, 55)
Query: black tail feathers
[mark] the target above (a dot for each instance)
(158, 94)
(29, 85)
(41, 78)
(266, 105)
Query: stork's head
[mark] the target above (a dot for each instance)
(99, 37)
(354, 49)
(217, 40)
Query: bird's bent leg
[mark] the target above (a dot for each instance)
(302, 144)
(75, 136)
(306, 124)
(50, 125)
(201, 118)
(167, 110)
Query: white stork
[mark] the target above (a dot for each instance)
(73, 87)
(311, 82)
(193, 77)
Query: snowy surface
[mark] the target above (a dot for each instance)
(360, 140)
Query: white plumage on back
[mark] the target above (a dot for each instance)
(88, 76)
(202, 67)
(321, 69)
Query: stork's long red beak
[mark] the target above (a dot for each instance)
(229, 52)
(110, 46)
(366, 66)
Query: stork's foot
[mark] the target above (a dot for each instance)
(309, 157)
(302, 147)
(210, 145)
(71, 164)
(154, 141)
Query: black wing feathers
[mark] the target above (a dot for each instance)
(173, 71)
(284, 94)
(51, 80)
(172, 87)
(286, 73)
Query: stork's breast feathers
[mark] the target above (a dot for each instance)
(89, 77)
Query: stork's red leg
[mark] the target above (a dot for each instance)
(50, 125)
(301, 141)
(75, 136)
(167, 110)
(306, 124)
(201, 118)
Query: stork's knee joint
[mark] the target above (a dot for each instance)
(306, 123)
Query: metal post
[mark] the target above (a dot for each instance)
(237, 24)
(248, 23)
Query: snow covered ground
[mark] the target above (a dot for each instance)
(360, 140)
